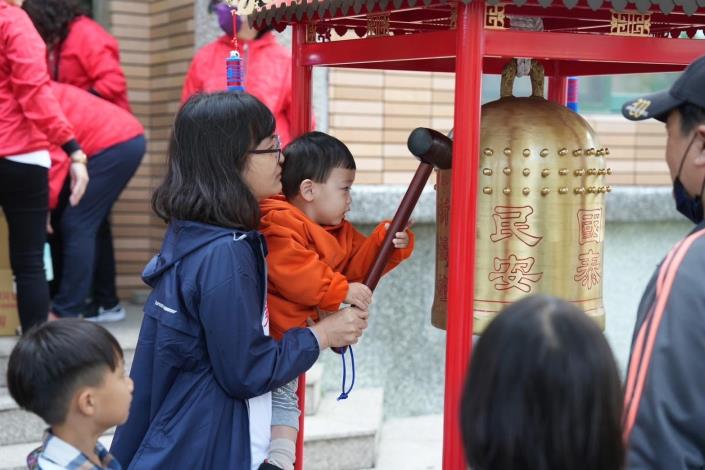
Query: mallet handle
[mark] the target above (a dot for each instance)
(401, 218)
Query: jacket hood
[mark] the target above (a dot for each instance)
(276, 203)
(183, 238)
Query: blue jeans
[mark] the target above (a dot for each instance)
(79, 228)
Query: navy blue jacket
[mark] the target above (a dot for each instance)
(202, 353)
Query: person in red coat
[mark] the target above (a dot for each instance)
(115, 144)
(267, 66)
(31, 120)
(81, 52)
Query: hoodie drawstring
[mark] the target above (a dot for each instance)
(343, 393)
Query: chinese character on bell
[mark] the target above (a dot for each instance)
(589, 223)
(512, 221)
(588, 272)
(513, 272)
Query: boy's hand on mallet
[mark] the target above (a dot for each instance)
(401, 239)
(359, 295)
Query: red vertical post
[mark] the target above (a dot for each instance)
(470, 44)
(300, 84)
(301, 123)
(558, 89)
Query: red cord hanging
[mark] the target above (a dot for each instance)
(235, 77)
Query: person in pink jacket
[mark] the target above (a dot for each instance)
(31, 121)
(267, 66)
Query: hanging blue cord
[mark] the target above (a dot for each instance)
(343, 393)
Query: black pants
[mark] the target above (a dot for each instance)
(24, 197)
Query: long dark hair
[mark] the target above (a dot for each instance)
(52, 18)
(208, 152)
(543, 392)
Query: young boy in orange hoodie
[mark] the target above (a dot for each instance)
(316, 258)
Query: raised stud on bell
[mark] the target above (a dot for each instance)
(545, 172)
(526, 172)
(602, 171)
(487, 171)
(526, 152)
(563, 152)
(487, 190)
(508, 152)
(525, 191)
(488, 152)
(592, 171)
(609, 189)
(507, 191)
(544, 153)
(545, 191)
(601, 189)
(609, 171)
(591, 189)
(580, 172)
(577, 152)
(590, 152)
(580, 190)
(607, 151)
(507, 170)
(563, 171)
(563, 190)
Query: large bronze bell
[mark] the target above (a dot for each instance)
(541, 200)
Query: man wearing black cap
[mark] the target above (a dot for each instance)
(664, 405)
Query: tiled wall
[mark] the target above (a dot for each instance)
(156, 40)
(373, 112)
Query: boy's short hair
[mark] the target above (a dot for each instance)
(313, 156)
(51, 361)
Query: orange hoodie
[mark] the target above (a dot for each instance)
(310, 265)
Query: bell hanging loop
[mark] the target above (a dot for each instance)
(509, 73)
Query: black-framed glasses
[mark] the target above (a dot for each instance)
(276, 150)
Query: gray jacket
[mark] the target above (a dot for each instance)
(669, 430)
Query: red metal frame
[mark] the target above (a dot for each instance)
(469, 50)
(463, 202)
(581, 17)
(558, 89)
(589, 54)
(301, 123)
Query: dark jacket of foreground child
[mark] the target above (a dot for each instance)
(202, 353)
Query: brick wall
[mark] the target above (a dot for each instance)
(374, 111)
(157, 41)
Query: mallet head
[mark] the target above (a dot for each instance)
(431, 147)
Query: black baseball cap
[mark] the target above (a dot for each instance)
(689, 88)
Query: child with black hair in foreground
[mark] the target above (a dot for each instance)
(71, 373)
(543, 392)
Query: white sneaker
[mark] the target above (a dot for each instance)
(117, 313)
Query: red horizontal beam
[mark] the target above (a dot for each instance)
(494, 65)
(507, 43)
(593, 47)
(434, 45)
